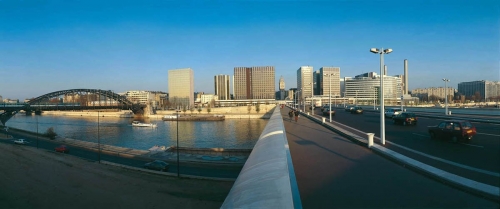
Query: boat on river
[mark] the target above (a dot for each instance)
(139, 124)
(194, 117)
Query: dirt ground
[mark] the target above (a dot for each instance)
(37, 178)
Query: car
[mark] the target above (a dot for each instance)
(62, 149)
(349, 108)
(454, 130)
(326, 112)
(405, 118)
(158, 165)
(20, 141)
(357, 110)
(325, 107)
(391, 112)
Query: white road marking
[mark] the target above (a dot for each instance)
(472, 145)
(488, 134)
(447, 161)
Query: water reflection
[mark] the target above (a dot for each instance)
(231, 133)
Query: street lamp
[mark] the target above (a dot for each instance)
(402, 86)
(374, 95)
(177, 146)
(98, 140)
(382, 51)
(330, 93)
(356, 98)
(445, 95)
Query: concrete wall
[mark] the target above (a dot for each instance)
(267, 179)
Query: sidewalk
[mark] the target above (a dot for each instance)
(334, 172)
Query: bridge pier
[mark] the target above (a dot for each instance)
(38, 112)
(28, 112)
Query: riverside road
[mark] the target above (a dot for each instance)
(197, 169)
(334, 172)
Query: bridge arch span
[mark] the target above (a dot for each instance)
(107, 93)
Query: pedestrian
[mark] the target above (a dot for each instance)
(290, 114)
(296, 115)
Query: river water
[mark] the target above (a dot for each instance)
(229, 134)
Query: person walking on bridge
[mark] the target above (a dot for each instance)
(296, 113)
(290, 114)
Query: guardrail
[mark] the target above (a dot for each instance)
(267, 179)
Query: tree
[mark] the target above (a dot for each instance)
(209, 109)
(199, 110)
(50, 133)
(184, 109)
(257, 107)
(191, 109)
(249, 108)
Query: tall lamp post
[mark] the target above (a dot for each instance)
(445, 95)
(382, 51)
(177, 146)
(312, 99)
(330, 94)
(98, 140)
(402, 100)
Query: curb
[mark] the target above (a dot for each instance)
(481, 189)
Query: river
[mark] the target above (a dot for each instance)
(228, 134)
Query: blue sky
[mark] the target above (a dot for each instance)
(47, 46)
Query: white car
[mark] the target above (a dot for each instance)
(20, 141)
(391, 112)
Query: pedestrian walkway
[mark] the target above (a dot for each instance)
(333, 172)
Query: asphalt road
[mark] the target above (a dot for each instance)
(334, 172)
(478, 160)
(197, 169)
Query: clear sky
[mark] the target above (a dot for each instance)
(47, 46)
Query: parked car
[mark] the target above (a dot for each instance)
(454, 130)
(357, 110)
(158, 165)
(391, 112)
(325, 107)
(62, 148)
(20, 141)
(326, 112)
(349, 108)
(405, 118)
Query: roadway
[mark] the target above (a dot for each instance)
(334, 172)
(478, 160)
(196, 169)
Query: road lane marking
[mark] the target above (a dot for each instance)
(446, 161)
(488, 134)
(420, 135)
(472, 145)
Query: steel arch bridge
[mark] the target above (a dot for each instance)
(107, 93)
(41, 103)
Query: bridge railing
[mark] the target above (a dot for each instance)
(267, 179)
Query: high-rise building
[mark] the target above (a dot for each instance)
(181, 87)
(317, 82)
(254, 82)
(365, 87)
(480, 90)
(282, 83)
(281, 94)
(330, 75)
(305, 81)
(221, 83)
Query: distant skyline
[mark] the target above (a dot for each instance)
(53, 45)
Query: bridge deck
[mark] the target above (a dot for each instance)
(333, 172)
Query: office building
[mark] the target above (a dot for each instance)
(221, 83)
(433, 93)
(482, 91)
(181, 87)
(317, 82)
(305, 81)
(254, 82)
(364, 88)
(281, 95)
(330, 76)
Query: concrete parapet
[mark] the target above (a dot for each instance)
(267, 179)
